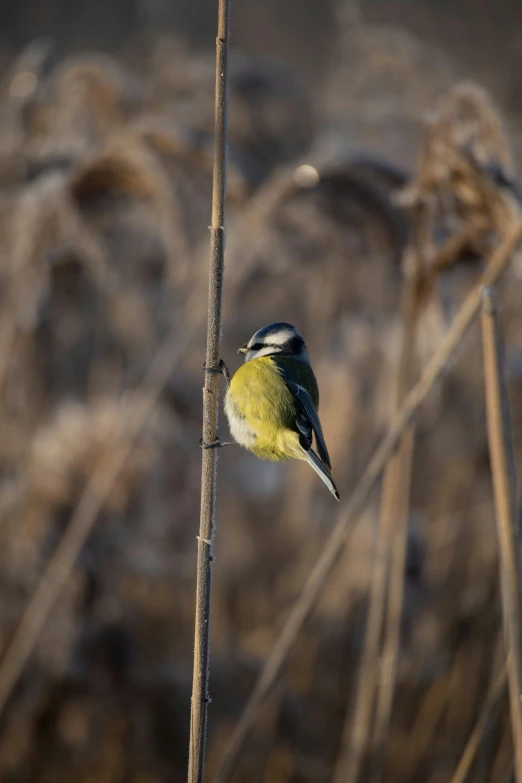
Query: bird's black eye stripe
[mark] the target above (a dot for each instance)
(293, 345)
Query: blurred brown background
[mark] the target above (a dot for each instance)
(105, 181)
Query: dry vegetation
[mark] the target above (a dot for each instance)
(105, 182)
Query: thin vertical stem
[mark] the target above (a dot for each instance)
(395, 508)
(200, 684)
(387, 674)
(504, 485)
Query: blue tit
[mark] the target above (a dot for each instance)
(272, 401)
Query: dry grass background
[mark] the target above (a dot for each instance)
(105, 182)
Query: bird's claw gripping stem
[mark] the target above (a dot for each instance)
(220, 369)
(216, 444)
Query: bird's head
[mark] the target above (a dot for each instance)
(278, 339)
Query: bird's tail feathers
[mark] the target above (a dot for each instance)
(322, 471)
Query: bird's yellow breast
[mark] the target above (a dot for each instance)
(261, 411)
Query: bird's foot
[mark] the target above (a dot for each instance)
(215, 444)
(220, 369)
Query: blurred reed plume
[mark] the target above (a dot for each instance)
(105, 183)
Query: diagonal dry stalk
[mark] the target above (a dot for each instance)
(504, 485)
(91, 502)
(200, 691)
(360, 496)
(488, 711)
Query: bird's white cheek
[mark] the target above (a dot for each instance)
(241, 431)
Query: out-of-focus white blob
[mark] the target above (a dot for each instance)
(306, 176)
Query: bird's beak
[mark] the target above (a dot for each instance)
(243, 349)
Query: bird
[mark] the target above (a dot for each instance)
(272, 401)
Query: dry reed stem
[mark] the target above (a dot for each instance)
(396, 496)
(504, 485)
(357, 727)
(387, 672)
(200, 691)
(398, 505)
(360, 495)
(100, 484)
(475, 738)
(394, 506)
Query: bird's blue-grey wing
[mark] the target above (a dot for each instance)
(307, 419)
